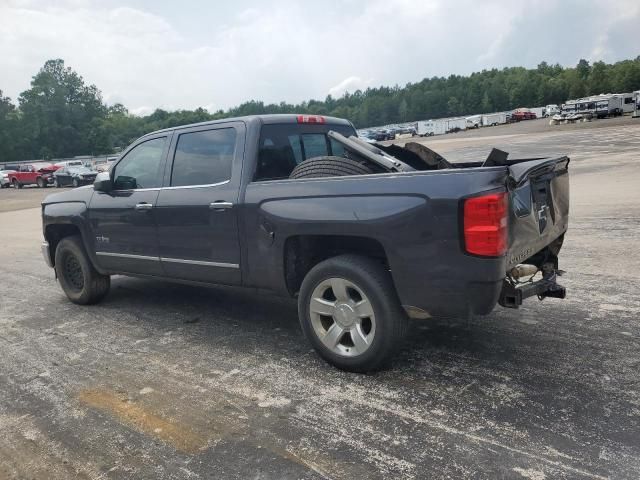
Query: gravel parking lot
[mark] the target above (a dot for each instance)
(169, 381)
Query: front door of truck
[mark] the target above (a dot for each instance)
(197, 211)
(123, 221)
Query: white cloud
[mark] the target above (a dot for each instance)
(157, 54)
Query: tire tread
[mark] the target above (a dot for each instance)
(329, 166)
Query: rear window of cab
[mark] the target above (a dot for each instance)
(284, 146)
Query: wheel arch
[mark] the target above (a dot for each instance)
(303, 252)
(66, 219)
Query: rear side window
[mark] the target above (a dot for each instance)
(203, 158)
(283, 146)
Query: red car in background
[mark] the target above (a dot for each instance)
(522, 114)
(40, 174)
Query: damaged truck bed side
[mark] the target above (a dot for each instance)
(363, 235)
(536, 208)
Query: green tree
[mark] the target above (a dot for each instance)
(59, 112)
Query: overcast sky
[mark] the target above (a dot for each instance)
(186, 54)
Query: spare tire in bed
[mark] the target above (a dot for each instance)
(329, 167)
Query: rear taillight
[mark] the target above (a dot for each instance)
(485, 225)
(311, 119)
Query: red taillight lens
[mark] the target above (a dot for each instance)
(311, 119)
(485, 225)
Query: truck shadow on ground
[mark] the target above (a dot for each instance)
(492, 368)
(493, 341)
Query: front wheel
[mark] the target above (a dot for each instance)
(40, 182)
(350, 313)
(79, 280)
(75, 183)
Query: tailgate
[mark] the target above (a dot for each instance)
(539, 201)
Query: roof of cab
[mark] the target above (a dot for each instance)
(264, 119)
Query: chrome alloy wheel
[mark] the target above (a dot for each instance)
(342, 317)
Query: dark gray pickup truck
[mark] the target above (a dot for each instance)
(365, 236)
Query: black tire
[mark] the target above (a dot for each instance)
(16, 183)
(75, 183)
(40, 182)
(329, 167)
(78, 278)
(55, 183)
(375, 282)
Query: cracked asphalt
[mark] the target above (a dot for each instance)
(178, 382)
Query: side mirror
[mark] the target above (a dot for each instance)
(102, 183)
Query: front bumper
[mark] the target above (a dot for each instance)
(46, 254)
(86, 181)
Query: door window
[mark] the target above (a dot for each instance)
(203, 158)
(140, 167)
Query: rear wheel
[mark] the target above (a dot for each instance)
(16, 183)
(350, 313)
(79, 280)
(329, 167)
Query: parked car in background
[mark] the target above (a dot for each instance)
(74, 176)
(380, 136)
(5, 182)
(520, 115)
(33, 174)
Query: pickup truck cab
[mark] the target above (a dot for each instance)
(40, 174)
(365, 236)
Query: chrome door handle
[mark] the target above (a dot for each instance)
(220, 205)
(144, 206)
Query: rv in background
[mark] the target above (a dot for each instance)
(493, 119)
(608, 105)
(628, 102)
(570, 107)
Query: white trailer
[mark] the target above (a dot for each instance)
(492, 119)
(636, 99)
(428, 128)
(539, 111)
(456, 124)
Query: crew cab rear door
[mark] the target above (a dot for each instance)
(539, 199)
(197, 211)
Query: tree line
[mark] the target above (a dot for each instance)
(61, 116)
